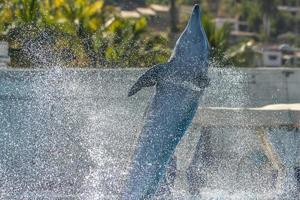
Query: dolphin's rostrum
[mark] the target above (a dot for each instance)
(179, 86)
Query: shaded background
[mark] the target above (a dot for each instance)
(113, 33)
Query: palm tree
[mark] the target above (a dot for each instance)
(268, 9)
(218, 39)
(298, 18)
(173, 16)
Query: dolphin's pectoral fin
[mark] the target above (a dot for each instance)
(148, 79)
(202, 81)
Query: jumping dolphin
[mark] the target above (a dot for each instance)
(179, 86)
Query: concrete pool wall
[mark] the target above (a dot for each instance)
(264, 85)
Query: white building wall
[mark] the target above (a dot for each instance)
(272, 58)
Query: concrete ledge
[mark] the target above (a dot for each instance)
(249, 117)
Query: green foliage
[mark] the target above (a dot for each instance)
(124, 43)
(257, 13)
(89, 14)
(17, 11)
(36, 45)
(218, 39)
(165, 2)
(251, 13)
(247, 10)
(242, 54)
(283, 23)
(289, 38)
(27, 10)
(86, 31)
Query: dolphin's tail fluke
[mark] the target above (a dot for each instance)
(148, 79)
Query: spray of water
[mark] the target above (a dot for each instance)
(69, 134)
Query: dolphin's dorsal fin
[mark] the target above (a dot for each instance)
(148, 79)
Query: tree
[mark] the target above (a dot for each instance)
(218, 39)
(127, 4)
(257, 13)
(80, 17)
(77, 33)
(242, 54)
(125, 43)
(268, 9)
(213, 6)
(14, 11)
(173, 16)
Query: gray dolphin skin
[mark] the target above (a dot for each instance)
(179, 87)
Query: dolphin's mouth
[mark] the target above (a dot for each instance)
(194, 26)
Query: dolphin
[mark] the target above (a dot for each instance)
(179, 86)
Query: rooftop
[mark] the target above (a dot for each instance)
(289, 8)
(129, 14)
(160, 8)
(146, 11)
(243, 33)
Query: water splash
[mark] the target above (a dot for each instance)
(69, 134)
